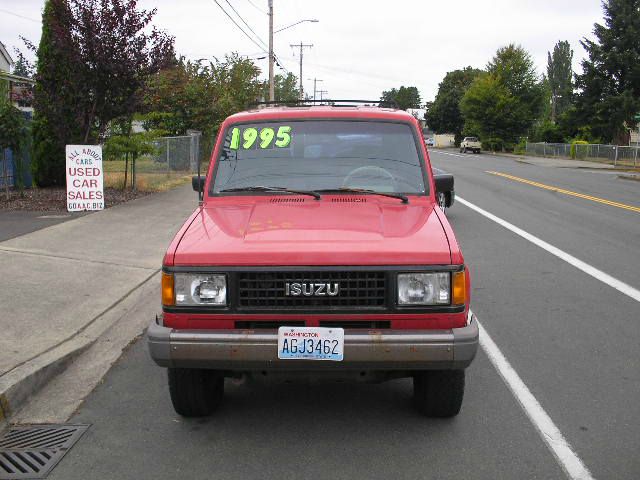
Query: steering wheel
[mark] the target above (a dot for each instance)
(365, 174)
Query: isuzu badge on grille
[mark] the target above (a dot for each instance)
(311, 289)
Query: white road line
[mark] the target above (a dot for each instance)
(579, 264)
(551, 435)
(447, 153)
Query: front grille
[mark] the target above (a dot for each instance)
(358, 290)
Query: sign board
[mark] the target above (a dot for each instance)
(84, 178)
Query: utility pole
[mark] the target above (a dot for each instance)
(322, 92)
(272, 94)
(302, 46)
(315, 82)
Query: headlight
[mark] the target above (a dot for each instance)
(200, 289)
(424, 288)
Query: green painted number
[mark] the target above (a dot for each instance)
(284, 136)
(249, 135)
(235, 139)
(266, 137)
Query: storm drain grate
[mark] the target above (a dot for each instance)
(31, 451)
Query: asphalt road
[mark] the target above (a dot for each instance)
(573, 340)
(20, 222)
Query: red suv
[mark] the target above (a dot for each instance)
(318, 250)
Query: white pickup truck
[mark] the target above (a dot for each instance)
(470, 144)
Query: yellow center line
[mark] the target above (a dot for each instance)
(567, 192)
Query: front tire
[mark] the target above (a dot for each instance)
(195, 392)
(439, 393)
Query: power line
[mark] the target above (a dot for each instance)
(19, 16)
(247, 25)
(257, 8)
(278, 62)
(239, 27)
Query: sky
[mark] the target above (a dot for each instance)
(360, 48)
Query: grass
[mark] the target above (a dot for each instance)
(151, 176)
(147, 182)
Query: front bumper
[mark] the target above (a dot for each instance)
(256, 350)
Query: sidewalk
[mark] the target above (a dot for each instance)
(58, 285)
(549, 162)
(559, 162)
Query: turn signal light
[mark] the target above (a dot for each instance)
(168, 297)
(459, 288)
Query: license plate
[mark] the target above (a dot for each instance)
(311, 343)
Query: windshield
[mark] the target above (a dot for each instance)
(320, 155)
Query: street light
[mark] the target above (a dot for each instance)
(271, 55)
(312, 20)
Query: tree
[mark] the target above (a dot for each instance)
(560, 78)
(443, 114)
(609, 85)
(93, 57)
(22, 92)
(503, 104)
(23, 67)
(404, 97)
(488, 108)
(118, 51)
(131, 146)
(197, 96)
(286, 88)
(57, 95)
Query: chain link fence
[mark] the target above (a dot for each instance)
(618, 155)
(173, 161)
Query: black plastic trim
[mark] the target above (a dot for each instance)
(391, 305)
(425, 176)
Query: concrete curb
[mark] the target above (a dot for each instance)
(635, 178)
(24, 381)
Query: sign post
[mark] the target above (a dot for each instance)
(84, 178)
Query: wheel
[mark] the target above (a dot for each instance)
(476, 151)
(439, 393)
(195, 392)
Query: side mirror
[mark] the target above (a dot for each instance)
(197, 182)
(444, 185)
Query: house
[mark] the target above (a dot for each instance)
(19, 90)
(6, 62)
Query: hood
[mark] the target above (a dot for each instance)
(300, 231)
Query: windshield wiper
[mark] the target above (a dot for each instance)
(262, 188)
(366, 191)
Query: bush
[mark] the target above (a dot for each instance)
(547, 132)
(577, 152)
(13, 135)
(49, 157)
(493, 144)
(521, 147)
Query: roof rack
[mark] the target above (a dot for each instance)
(327, 101)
